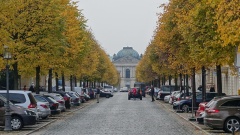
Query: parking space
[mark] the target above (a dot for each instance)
(27, 130)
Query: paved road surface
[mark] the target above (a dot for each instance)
(119, 116)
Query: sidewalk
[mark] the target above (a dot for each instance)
(186, 116)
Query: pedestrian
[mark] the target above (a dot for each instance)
(152, 93)
(24, 87)
(31, 88)
(200, 88)
(98, 94)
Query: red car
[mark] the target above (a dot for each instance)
(135, 93)
(201, 108)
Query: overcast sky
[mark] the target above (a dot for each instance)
(120, 23)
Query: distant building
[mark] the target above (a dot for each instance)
(126, 61)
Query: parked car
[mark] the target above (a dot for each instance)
(186, 104)
(124, 89)
(75, 98)
(86, 96)
(182, 96)
(173, 96)
(166, 90)
(91, 93)
(81, 96)
(59, 99)
(223, 113)
(66, 97)
(22, 98)
(105, 94)
(136, 94)
(20, 116)
(53, 104)
(43, 106)
(108, 88)
(167, 98)
(201, 108)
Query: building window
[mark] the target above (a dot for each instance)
(127, 73)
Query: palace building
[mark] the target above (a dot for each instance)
(126, 61)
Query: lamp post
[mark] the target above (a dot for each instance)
(7, 55)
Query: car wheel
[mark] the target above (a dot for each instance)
(128, 97)
(107, 96)
(16, 123)
(140, 97)
(185, 108)
(230, 123)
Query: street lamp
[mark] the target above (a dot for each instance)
(7, 55)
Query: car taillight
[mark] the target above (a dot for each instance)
(32, 106)
(55, 105)
(44, 106)
(178, 99)
(212, 110)
(65, 98)
(201, 108)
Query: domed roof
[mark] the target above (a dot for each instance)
(128, 51)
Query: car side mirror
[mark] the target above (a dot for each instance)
(1, 103)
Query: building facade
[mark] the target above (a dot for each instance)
(126, 61)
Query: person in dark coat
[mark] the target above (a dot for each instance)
(152, 93)
(98, 94)
(31, 88)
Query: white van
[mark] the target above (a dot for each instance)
(22, 98)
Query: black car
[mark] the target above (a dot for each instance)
(105, 94)
(186, 104)
(66, 97)
(53, 104)
(136, 94)
(75, 98)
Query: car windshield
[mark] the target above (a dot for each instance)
(39, 98)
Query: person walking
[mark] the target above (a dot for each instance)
(152, 93)
(25, 88)
(98, 94)
(32, 88)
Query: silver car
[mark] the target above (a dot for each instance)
(43, 106)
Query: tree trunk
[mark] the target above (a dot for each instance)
(219, 80)
(176, 82)
(37, 79)
(63, 82)
(180, 76)
(203, 84)
(71, 82)
(15, 76)
(50, 80)
(56, 79)
(75, 81)
(169, 78)
(193, 88)
(187, 85)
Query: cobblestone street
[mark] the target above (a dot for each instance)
(120, 116)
